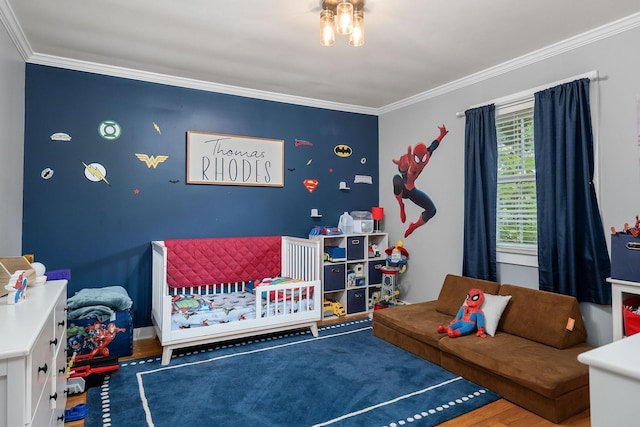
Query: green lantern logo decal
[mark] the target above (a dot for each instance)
(109, 129)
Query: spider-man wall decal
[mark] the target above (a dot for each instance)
(410, 165)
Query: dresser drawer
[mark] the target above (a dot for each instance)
(334, 278)
(43, 414)
(41, 367)
(59, 384)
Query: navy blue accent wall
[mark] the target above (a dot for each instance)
(102, 230)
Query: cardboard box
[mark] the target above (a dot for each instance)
(625, 257)
(9, 265)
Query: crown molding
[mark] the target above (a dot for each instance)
(592, 36)
(7, 17)
(129, 73)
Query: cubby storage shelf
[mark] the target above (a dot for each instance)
(351, 272)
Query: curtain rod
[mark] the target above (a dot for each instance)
(591, 75)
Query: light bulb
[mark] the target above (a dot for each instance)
(357, 35)
(344, 13)
(327, 34)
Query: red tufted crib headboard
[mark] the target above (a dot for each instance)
(210, 261)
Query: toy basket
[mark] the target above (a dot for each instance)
(631, 319)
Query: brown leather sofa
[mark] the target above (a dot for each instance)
(531, 360)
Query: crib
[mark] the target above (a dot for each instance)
(209, 274)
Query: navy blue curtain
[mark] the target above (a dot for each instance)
(480, 187)
(572, 252)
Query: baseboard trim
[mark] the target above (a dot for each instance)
(146, 332)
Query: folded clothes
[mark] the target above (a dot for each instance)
(115, 297)
(99, 312)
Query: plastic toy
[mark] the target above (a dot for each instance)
(331, 231)
(351, 278)
(333, 308)
(470, 317)
(396, 264)
(76, 413)
(634, 231)
(17, 287)
(335, 253)
(397, 255)
(374, 251)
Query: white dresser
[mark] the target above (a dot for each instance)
(32, 357)
(614, 382)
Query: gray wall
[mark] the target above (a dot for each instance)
(11, 145)
(436, 248)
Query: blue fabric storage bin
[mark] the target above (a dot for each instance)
(375, 272)
(113, 337)
(355, 247)
(356, 301)
(625, 257)
(334, 277)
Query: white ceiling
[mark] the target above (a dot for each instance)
(260, 48)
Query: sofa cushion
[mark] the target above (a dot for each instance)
(545, 317)
(549, 371)
(454, 292)
(420, 321)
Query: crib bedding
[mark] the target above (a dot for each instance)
(198, 310)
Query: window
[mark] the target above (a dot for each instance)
(516, 196)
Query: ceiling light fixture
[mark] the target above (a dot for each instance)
(345, 17)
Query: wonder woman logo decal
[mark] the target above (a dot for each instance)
(151, 160)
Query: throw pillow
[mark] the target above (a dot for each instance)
(493, 307)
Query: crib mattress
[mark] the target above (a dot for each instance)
(195, 310)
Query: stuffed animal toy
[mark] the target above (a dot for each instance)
(469, 318)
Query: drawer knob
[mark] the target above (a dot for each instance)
(53, 341)
(53, 396)
(44, 368)
(62, 370)
(61, 417)
(61, 323)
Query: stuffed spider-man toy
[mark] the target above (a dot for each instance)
(469, 318)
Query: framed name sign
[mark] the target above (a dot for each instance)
(215, 158)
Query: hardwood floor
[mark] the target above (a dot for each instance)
(497, 414)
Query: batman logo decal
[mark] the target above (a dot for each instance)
(342, 150)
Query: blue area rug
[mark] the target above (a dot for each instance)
(344, 377)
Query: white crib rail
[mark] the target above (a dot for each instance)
(301, 258)
(219, 288)
(159, 289)
(295, 299)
